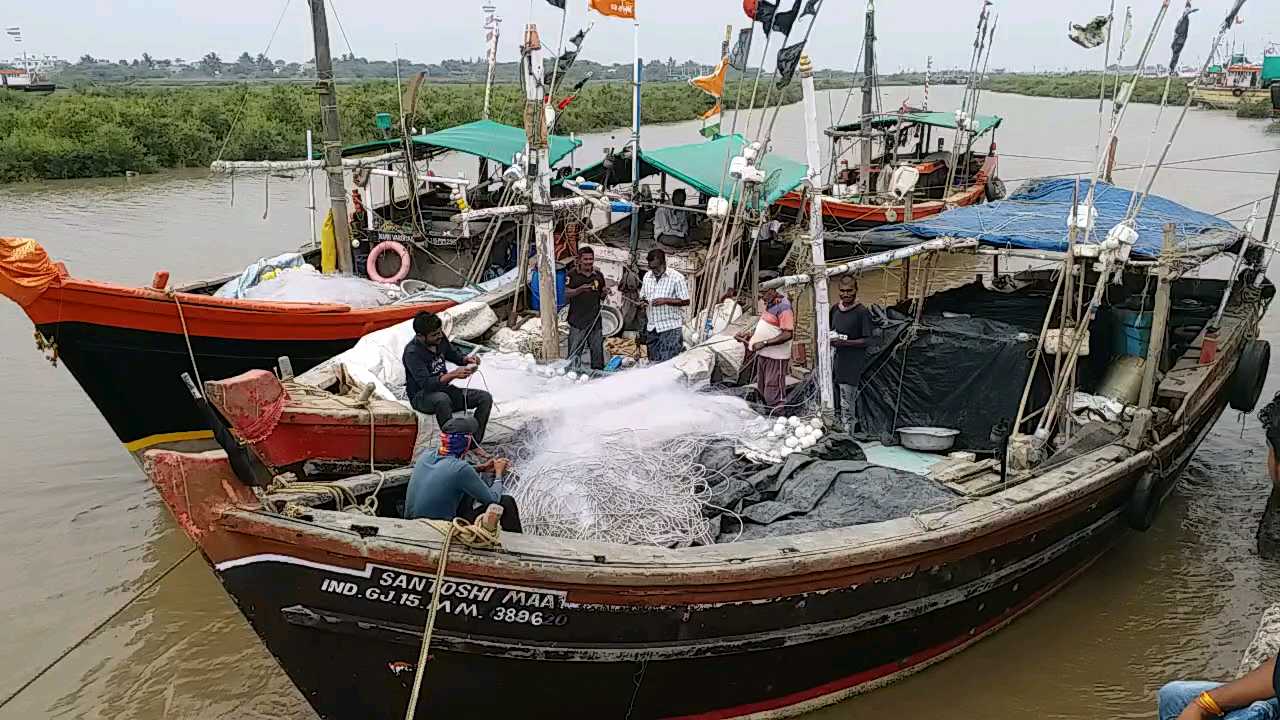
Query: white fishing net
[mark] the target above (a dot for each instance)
(613, 459)
(305, 284)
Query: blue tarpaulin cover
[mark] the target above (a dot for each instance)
(1035, 218)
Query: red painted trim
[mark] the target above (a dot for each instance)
(151, 310)
(876, 673)
(876, 213)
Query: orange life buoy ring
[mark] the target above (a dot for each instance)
(371, 265)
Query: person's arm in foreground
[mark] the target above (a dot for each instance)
(475, 486)
(1249, 689)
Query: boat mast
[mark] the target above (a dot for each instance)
(539, 174)
(821, 297)
(868, 87)
(332, 133)
(492, 26)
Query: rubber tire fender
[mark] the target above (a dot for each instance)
(371, 265)
(1237, 92)
(1250, 374)
(1140, 510)
(995, 189)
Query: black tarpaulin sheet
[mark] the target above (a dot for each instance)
(964, 373)
(832, 488)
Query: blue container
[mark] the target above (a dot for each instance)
(536, 298)
(1132, 331)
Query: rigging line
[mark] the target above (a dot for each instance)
(1242, 206)
(334, 4)
(244, 98)
(98, 628)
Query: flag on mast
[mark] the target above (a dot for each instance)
(556, 3)
(625, 9)
(15, 33)
(712, 85)
(741, 51)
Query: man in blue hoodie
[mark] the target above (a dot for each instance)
(444, 486)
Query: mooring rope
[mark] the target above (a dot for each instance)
(96, 629)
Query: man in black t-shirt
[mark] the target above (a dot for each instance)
(584, 287)
(852, 329)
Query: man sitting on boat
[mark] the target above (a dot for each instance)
(427, 383)
(1252, 697)
(771, 343)
(444, 486)
(671, 225)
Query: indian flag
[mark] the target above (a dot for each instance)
(711, 123)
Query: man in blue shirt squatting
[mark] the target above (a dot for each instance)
(445, 486)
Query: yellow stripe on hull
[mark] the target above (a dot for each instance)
(173, 437)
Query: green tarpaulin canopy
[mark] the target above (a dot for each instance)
(704, 167)
(482, 138)
(935, 119)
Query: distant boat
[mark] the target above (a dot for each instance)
(1239, 81)
(27, 76)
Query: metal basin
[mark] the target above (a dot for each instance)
(927, 439)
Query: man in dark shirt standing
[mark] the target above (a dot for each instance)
(584, 287)
(427, 383)
(852, 322)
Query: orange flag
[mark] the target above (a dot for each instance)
(712, 84)
(614, 8)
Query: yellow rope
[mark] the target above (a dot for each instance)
(186, 336)
(471, 535)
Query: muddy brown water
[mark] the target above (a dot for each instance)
(83, 531)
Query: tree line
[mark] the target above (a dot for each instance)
(110, 130)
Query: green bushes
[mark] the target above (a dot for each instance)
(1086, 85)
(1254, 109)
(100, 132)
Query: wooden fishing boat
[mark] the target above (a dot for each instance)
(845, 209)
(115, 339)
(898, 174)
(765, 627)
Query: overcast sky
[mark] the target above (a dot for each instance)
(1031, 33)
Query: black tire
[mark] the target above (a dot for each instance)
(1140, 512)
(995, 189)
(1251, 372)
(1237, 92)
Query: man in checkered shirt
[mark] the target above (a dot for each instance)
(667, 294)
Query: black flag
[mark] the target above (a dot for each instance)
(1180, 39)
(812, 8)
(783, 21)
(1231, 16)
(788, 60)
(739, 58)
(556, 3)
(764, 14)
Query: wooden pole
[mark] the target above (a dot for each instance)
(636, 75)
(1160, 321)
(1111, 159)
(539, 173)
(821, 298)
(332, 132)
(868, 87)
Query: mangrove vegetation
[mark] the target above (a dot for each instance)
(111, 130)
